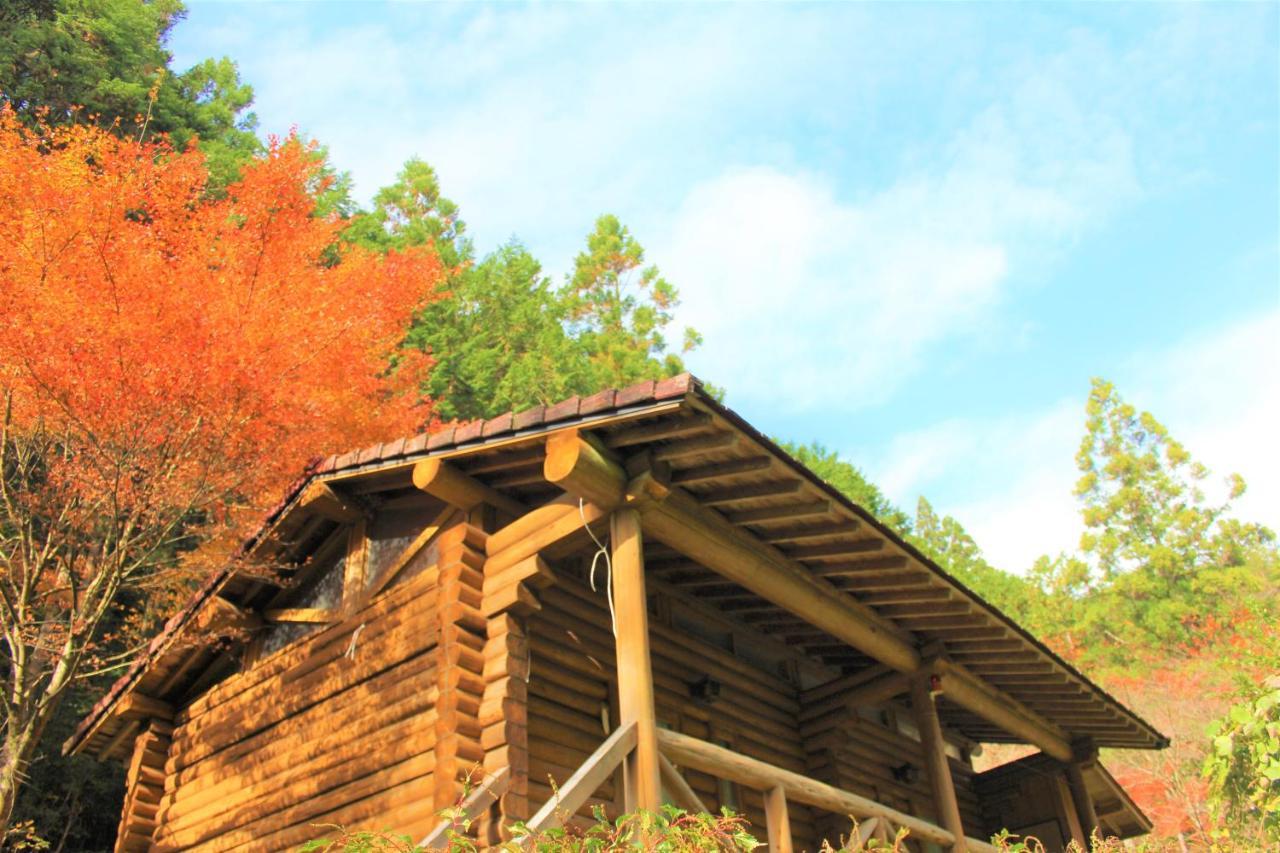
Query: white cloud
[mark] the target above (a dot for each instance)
(1009, 479)
(857, 291)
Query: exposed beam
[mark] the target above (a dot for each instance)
(735, 494)
(784, 512)
(694, 446)
(715, 543)
(310, 615)
(581, 470)
(707, 538)
(975, 695)
(836, 549)
(716, 470)
(437, 477)
(659, 430)
(320, 499)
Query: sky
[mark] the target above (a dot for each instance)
(910, 232)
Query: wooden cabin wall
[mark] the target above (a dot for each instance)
(337, 727)
(859, 752)
(572, 703)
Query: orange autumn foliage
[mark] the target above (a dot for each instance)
(168, 361)
(139, 311)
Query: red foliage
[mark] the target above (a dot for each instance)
(139, 313)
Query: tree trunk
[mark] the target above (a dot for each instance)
(15, 754)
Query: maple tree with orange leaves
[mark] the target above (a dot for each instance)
(167, 362)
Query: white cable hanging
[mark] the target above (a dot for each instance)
(602, 551)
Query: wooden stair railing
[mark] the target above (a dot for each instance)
(726, 764)
(583, 783)
(484, 795)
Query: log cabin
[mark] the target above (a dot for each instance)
(616, 601)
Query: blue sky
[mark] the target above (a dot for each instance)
(912, 232)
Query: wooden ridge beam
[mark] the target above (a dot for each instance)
(715, 543)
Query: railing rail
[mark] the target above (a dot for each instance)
(726, 764)
(875, 819)
(486, 793)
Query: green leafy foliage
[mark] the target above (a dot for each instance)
(1242, 766)
(505, 338)
(412, 211)
(106, 61)
(950, 545)
(670, 830)
(619, 309)
(499, 340)
(1157, 558)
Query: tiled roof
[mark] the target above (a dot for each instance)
(445, 437)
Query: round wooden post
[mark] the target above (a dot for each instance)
(935, 758)
(777, 819)
(1084, 803)
(635, 675)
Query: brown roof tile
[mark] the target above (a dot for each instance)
(417, 444)
(601, 401)
(370, 454)
(498, 425)
(528, 418)
(392, 449)
(469, 431)
(640, 392)
(443, 438)
(675, 386)
(563, 410)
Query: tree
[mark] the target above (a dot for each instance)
(1160, 552)
(167, 362)
(413, 212)
(502, 337)
(105, 61)
(950, 545)
(619, 309)
(498, 340)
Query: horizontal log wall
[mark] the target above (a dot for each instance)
(337, 728)
(860, 755)
(572, 696)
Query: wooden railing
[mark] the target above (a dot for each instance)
(779, 786)
(784, 785)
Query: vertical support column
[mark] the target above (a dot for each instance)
(1067, 814)
(777, 820)
(635, 675)
(935, 759)
(1088, 815)
(353, 577)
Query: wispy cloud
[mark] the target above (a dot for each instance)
(1009, 479)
